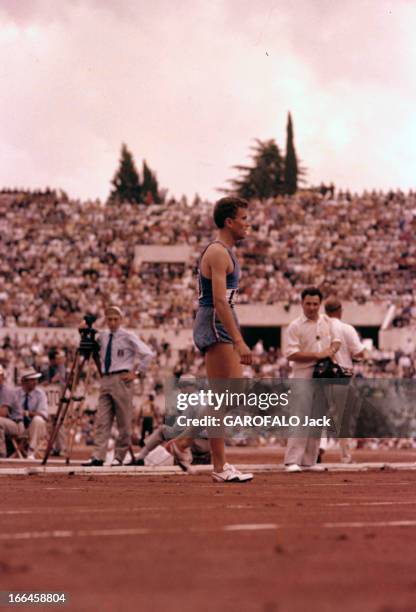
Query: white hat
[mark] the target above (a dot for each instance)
(30, 374)
(113, 309)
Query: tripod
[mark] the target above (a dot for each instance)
(83, 356)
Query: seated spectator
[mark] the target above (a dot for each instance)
(55, 371)
(32, 401)
(11, 417)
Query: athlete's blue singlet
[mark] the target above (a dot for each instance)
(205, 284)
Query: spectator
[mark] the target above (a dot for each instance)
(32, 401)
(11, 418)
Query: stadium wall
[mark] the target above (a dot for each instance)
(371, 314)
(65, 335)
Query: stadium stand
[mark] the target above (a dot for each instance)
(62, 258)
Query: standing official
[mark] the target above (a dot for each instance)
(351, 349)
(120, 351)
(310, 338)
(11, 417)
(32, 400)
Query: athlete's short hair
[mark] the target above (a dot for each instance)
(311, 291)
(332, 305)
(226, 208)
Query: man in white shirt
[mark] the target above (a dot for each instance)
(310, 338)
(120, 351)
(32, 401)
(351, 349)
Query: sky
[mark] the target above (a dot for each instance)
(190, 84)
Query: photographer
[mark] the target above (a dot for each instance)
(310, 338)
(120, 350)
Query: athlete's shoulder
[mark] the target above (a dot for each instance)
(215, 247)
(216, 252)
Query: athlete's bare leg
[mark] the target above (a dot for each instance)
(221, 361)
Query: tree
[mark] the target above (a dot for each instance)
(126, 181)
(291, 170)
(263, 179)
(150, 188)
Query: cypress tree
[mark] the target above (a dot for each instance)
(291, 163)
(150, 188)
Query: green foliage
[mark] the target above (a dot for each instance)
(150, 189)
(291, 169)
(263, 179)
(126, 182)
(269, 175)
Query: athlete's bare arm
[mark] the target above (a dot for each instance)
(216, 264)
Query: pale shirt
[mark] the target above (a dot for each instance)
(351, 344)
(126, 350)
(8, 398)
(307, 336)
(37, 401)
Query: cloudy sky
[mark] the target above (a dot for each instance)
(188, 85)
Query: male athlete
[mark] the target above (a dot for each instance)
(216, 330)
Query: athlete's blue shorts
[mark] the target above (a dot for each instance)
(208, 329)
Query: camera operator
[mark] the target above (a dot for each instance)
(310, 338)
(120, 350)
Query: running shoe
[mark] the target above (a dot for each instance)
(231, 474)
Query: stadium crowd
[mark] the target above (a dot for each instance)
(16, 356)
(61, 257)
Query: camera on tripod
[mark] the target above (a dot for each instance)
(88, 345)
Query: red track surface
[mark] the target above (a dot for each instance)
(315, 542)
